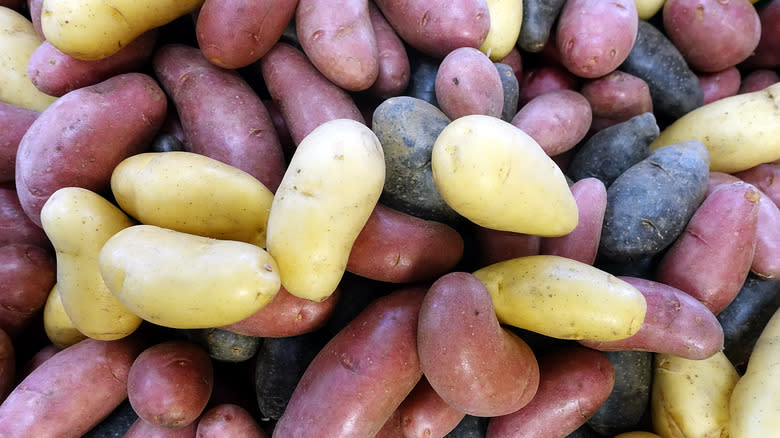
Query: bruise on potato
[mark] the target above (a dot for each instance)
(16, 120)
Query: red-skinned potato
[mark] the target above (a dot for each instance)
(425, 414)
(142, 429)
(573, 383)
(296, 87)
(719, 84)
(515, 60)
(35, 7)
(236, 33)
(27, 274)
(79, 139)
(467, 82)
(71, 392)
(767, 53)
(38, 359)
(7, 365)
(394, 68)
(765, 177)
(222, 117)
(711, 259)
(15, 225)
(495, 246)
(392, 427)
(474, 364)
(540, 80)
(675, 323)
(362, 374)
(228, 420)
(16, 121)
(757, 80)
(557, 120)
(616, 98)
(399, 248)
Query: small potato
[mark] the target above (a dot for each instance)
(27, 274)
(538, 20)
(143, 429)
(616, 98)
(57, 324)
(394, 69)
(506, 18)
(467, 82)
(495, 246)
(557, 120)
(766, 54)
(543, 79)
(424, 413)
(16, 121)
(228, 421)
(757, 80)
(720, 84)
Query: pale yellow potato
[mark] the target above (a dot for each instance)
(329, 190)
(193, 194)
(740, 131)
(57, 324)
(18, 41)
(95, 29)
(78, 222)
(498, 177)
(563, 298)
(690, 398)
(506, 18)
(646, 9)
(184, 281)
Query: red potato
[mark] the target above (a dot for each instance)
(286, 315)
(306, 98)
(468, 82)
(236, 33)
(228, 420)
(35, 7)
(711, 259)
(719, 84)
(281, 128)
(7, 365)
(392, 427)
(594, 37)
(12, 4)
(540, 80)
(170, 383)
(72, 392)
(27, 274)
(766, 177)
(56, 73)
(475, 365)
(15, 225)
(515, 60)
(79, 139)
(757, 80)
(16, 121)
(399, 248)
(712, 35)
(394, 68)
(574, 383)
(675, 323)
(220, 113)
(425, 414)
(142, 429)
(362, 374)
(437, 27)
(767, 52)
(38, 359)
(582, 243)
(557, 120)
(495, 246)
(615, 98)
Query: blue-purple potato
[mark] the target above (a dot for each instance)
(511, 88)
(116, 424)
(538, 20)
(630, 397)
(224, 345)
(422, 77)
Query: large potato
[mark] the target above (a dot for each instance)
(331, 186)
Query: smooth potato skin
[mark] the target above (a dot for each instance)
(394, 68)
(560, 406)
(467, 82)
(542, 79)
(72, 391)
(767, 53)
(15, 225)
(143, 429)
(423, 413)
(757, 80)
(27, 274)
(495, 246)
(616, 98)
(7, 365)
(766, 178)
(373, 377)
(720, 84)
(16, 121)
(57, 324)
(81, 137)
(227, 421)
(557, 120)
(537, 22)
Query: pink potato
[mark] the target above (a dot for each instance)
(712, 35)
(468, 82)
(392, 427)
(675, 323)
(35, 7)
(574, 382)
(767, 52)
(70, 393)
(719, 84)
(515, 60)
(475, 365)
(306, 99)
(594, 37)
(236, 33)
(357, 381)
(394, 68)
(557, 120)
(37, 359)
(7, 365)
(425, 414)
(766, 177)
(757, 80)
(79, 139)
(493, 246)
(540, 80)
(221, 115)
(615, 98)
(27, 274)
(711, 259)
(228, 420)
(15, 121)
(142, 429)
(15, 225)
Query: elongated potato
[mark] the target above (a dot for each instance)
(506, 18)
(57, 324)
(394, 68)
(424, 413)
(328, 192)
(563, 298)
(182, 280)
(78, 223)
(498, 177)
(194, 194)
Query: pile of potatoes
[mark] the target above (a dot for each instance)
(379, 218)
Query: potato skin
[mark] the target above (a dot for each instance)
(373, 378)
(144, 429)
(394, 68)
(57, 324)
(16, 121)
(557, 120)
(766, 178)
(545, 78)
(228, 420)
(538, 19)
(467, 82)
(615, 98)
(720, 84)
(53, 399)
(424, 413)
(766, 54)
(27, 274)
(757, 80)
(495, 246)
(15, 226)
(630, 396)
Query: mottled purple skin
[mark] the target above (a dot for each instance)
(16, 121)
(717, 85)
(557, 120)
(468, 83)
(616, 98)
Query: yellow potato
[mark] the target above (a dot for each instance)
(78, 222)
(498, 177)
(193, 194)
(690, 398)
(563, 298)
(506, 18)
(18, 41)
(57, 324)
(740, 131)
(648, 8)
(94, 29)
(184, 281)
(329, 190)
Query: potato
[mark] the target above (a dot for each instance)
(16, 121)
(493, 246)
(766, 178)
(587, 47)
(506, 18)
(194, 194)
(511, 90)
(373, 378)
(757, 80)
(557, 120)
(509, 184)
(228, 420)
(740, 131)
(393, 62)
(563, 298)
(92, 29)
(80, 138)
(328, 192)
(170, 383)
(467, 82)
(225, 346)
(470, 427)
(424, 413)
(15, 226)
(616, 98)
(690, 398)
(720, 84)
(57, 324)
(646, 9)
(143, 429)
(7, 365)
(79, 222)
(117, 423)
(538, 19)
(71, 392)
(422, 79)
(543, 79)
(40, 356)
(154, 270)
(766, 54)
(27, 273)
(18, 41)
